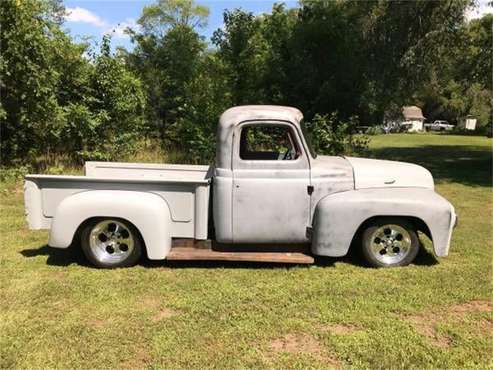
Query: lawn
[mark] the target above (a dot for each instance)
(55, 311)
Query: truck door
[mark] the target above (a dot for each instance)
(271, 175)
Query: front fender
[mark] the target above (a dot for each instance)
(338, 216)
(148, 212)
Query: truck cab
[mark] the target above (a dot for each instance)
(269, 189)
(262, 176)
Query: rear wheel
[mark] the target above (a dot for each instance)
(390, 242)
(111, 243)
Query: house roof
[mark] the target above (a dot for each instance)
(412, 112)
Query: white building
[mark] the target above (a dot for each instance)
(468, 123)
(412, 118)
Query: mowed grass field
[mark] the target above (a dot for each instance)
(55, 311)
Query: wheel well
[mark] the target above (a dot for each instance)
(78, 231)
(418, 223)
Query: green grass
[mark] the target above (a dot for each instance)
(55, 311)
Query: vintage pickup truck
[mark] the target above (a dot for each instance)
(269, 197)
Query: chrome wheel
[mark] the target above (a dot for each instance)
(390, 244)
(111, 242)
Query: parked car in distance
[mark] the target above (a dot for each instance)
(272, 200)
(439, 125)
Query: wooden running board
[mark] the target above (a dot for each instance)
(192, 254)
(183, 252)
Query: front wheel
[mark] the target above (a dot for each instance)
(111, 243)
(390, 242)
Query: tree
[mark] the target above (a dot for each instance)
(53, 99)
(113, 115)
(327, 60)
(167, 55)
(461, 85)
(475, 62)
(355, 58)
(158, 18)
(242, 50)
(31, 41)
(405, 40)
(185, 82)
(280, 56)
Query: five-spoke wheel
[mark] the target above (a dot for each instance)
(111, 243)
(389, 242)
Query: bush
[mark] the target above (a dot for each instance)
(110, 123)
(375, 130)
(13, 174)
(333, 137)
(55, 101)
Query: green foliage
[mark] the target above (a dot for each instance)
(115, 122)
(55, 100)
(185, 83)
(356, 58)
(375, 130)
(164, 14)
(242, 50)
(30, 113)
(326, 60)
(404, 40)
(475, 52)
(196, 128)
(479, 104)
(364, 59)
(13, 174)
(461, 84)
(331, 136)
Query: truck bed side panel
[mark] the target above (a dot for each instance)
(188, 201)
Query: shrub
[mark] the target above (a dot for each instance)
(375, 130)
(13, 174)
(331, 136)
(54, 99)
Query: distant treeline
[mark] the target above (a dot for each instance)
(334, 60)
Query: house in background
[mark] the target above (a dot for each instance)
(412, 118)
(468, 123)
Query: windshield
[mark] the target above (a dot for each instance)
(308, 138)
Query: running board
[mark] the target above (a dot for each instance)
(180, 252)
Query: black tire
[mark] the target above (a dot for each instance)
(95, 250)
(383, 249)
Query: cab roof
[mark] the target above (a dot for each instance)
(236, 115)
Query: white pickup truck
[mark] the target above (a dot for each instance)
(269, 197)
(439, 125)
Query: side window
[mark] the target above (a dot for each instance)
(268, 142)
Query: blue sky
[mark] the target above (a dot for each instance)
(95, 18)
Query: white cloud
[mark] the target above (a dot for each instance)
(480, 10)
(82, 15)
(118, 30)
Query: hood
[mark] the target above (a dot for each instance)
(374, 173)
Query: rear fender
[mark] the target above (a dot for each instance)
(148, 212)
(338, 217)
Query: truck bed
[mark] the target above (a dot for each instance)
(185, 188)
